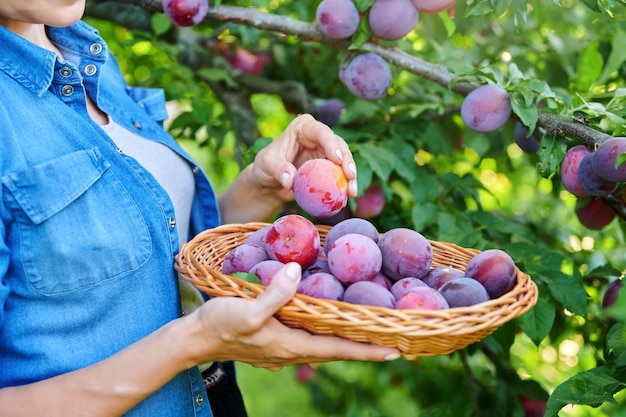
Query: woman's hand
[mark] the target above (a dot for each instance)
(266, 184)
(231, 328)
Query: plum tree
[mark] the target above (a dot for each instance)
(330, 111)
(371, 203)
(593, 213)
(592, 183)
(320, 187)
(392, 19)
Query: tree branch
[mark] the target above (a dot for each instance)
(310, 32)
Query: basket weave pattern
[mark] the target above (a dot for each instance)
(413, 332)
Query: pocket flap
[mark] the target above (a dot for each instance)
(46, 188)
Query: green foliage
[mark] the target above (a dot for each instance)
(558, 58)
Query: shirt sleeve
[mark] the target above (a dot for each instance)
(4, 265)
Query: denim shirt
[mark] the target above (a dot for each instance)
(87, 236)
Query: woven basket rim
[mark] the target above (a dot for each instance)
(343, 318)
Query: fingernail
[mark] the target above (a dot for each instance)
(293, 271)
(339, 154)
(352, 167)
(353, 187)
(283, 179)
(392, 356)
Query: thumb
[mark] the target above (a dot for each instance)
(280, 291)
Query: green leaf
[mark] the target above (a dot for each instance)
(616, 343)
(569, 291)
(551, 152)
(538, 321)
(591, 388)
(160, 23)
(448, 23)
(590, 64)
(621, 158)
(423, 215)
(363, 5)
(381, 160)
(215, 74)
(248, 277)
(617, 56)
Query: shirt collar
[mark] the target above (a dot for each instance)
(33, 66)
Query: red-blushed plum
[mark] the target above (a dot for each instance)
(464, 292)
(185, 12)
(611, 293)
(258, 236)
(351, 225)
(320, 187)
(593, 213)
(354, 257)
(243, 257)
(605, 157)
(293, 238)
(406, 253)
(367, 76)
(569, 169)
(433, 6)
(527, 143)
(371, 203)
(533, 408)
(322, 285)
(487, 108)
(383, 280)
(422, 298)
(330, 111)
(265, 270)
(369, 293)
(495, 269)
(404, 285)
(436, 277)
(248, 62)
(337, 19)
(320, 265)
(392, 19)
(593, 184)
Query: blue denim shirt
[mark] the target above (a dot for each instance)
(87, 236)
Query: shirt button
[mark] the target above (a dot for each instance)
(67, 90)
(65, 72)
(195, 170)
(172, 222)
(90, 69)
(199, 400)
(95, 48)
(136, 124)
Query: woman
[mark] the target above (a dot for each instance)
(95, 200)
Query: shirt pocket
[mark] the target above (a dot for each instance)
(76, 224)
(151, 100)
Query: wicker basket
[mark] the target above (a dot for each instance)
(413, 332)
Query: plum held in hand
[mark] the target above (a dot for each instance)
(392, 19)
(186, 12)
(293, 238)
(320, 187)
(337, 19)
(487, 108)
(495, 269)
